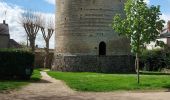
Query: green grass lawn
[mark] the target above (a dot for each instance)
(111, 82)
(36, 76)
(15, 84)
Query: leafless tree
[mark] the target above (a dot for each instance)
(30, 20)
(47, 29)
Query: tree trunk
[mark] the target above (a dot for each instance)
(46, 60)
(32, 44)
(27, 40)
(137, 58)
(137, 67)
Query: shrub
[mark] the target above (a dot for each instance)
(16, 63)
(155, 60)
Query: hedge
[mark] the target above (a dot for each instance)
(16, 63)
(155, 60)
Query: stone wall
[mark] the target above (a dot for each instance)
(39, 59)
(104, 64)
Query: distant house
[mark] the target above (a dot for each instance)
(14, 44)
(164, 36)
(4, 35)
(5, 41)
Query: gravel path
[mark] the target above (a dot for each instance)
(51, 89)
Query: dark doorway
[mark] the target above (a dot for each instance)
(102, 48)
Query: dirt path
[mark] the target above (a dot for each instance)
(51, 89)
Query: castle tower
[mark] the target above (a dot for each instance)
(85, 40)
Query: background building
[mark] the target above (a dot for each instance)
(4, 35)
(164, 37)
(5, 41)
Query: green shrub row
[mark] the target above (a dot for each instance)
(16, 63)
(155, 60)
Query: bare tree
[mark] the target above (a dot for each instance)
(47, 29)
(31, 22)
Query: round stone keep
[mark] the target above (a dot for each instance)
(84, 34)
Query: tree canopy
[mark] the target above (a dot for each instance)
(142, 24)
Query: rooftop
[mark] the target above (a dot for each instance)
(4, 29)
(166, 32)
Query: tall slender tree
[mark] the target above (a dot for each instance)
(142, 25)
(31, 22)
(47, 29)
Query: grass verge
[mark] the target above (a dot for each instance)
(15, 84)
(98, 82)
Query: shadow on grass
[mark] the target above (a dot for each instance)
(122, 73)
(12, 80)
(167, 87)
(32, 80)
(143, 73)
(153, 73)
(39, 81)
(20, 80)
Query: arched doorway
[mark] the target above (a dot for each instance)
(102, 48)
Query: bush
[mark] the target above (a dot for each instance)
(16, 63)
(155, 60)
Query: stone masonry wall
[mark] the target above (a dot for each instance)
(39, 59)
(104, 64)
(81, 25)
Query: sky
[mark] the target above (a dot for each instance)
(14, 8)
(47, 6)
(164, 6)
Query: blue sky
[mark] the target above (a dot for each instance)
(14, 10)
(15, 7)
(46, 6)
(165, 5)
(49, 7)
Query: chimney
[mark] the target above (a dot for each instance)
(168, 26)
(4, 22)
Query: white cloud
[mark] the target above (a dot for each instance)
(165, 17)
(51, 1)
(147, 1)
(17, 32)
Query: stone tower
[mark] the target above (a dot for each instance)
(85, 40)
